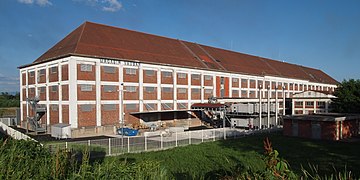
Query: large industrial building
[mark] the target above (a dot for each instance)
(99, 76)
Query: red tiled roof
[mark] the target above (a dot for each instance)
(96, 40)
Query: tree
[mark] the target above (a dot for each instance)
(348, 97)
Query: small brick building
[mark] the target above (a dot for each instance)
(322, 126)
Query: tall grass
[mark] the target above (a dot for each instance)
(21, 159)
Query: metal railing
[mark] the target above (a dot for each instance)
(118, 145)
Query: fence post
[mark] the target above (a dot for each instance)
(214, 135)
(224, 133)
(189, 137)
(161, 141)
(202, 135)
(128, 144)
(66, 145)
(89, 142)
(109, 146)
(176, 139)
(145, 143)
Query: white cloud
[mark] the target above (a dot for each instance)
(112, 5)
(37, 2)
(105, 5)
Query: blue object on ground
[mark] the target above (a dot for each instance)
(127, 131)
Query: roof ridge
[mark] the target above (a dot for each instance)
(191, 52)
(212, 58)
(81, 34)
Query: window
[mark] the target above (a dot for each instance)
(235, 80)
(54, 88)
(309, 103)
(130, 106)
(243, 93)
(86, 107)
(41, 72)
(109, 88)
(235, 91)
(86, 87)
(130, 71)
(109, 107)
(244, 81)
(53, 70)
(42, 89)
(109, 69)
(207, 77)
(181, 105)
(321, 104)
(54, 107)
(32, 73)
(149, 72)
(195, 90)
(86, 67)
(167, 89)
(166, 74)
(149, 89)
(222, 80)
(182, 90)
(167, 105)
(208, 91)
(195, 76)
(181, 75)
(130, 88)
(32, 90)
(298, 103)
(150, 106)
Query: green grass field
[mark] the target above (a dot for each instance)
(210, 159)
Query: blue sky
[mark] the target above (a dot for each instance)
(323, 34)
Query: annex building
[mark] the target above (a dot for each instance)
(99, 76)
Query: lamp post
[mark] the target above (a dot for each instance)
(276, 106)
(260, 108)
(121, 94)
(268, 106)
(283, 88)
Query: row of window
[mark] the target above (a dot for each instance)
(310, 103)
(113, 107)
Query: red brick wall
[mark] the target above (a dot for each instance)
(150, 95)
(182, 96)
(86, 75)
(226, 84)
(42, 95)
(23, 77)
(24, 112)
(287, 127)
(167, 95)
(53, 76)
(24, 94)
(86, 95)
(252, 84)
(150, 78)
(105, 76)
(182, 81)
(64, 72)
(208, 82)
(130, 119)
(131, 95)
(195, 96)
(243, 83)
(109, 95)
(53, 95)
(235, 83)
(194, 81)
(65, 92)
(304, 129)
(42, 78)
(131, 77)
(65, 114)
(328, 130)
(87, 118)
(166, 79)
(31, 80)
(110, 117)
(31, 92)
(54, 114)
